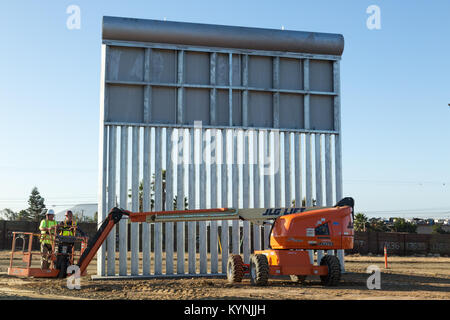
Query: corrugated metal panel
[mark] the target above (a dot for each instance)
(180, 86)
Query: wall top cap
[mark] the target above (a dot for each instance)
(210, 35)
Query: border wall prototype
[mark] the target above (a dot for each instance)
(201, 116)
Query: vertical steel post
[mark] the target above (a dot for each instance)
(169, 201)
(123, 224)
(246, 195)
(319, 168)
(180, 201)
(246, 165)
(329, 177)
(328, 171)
(111, 240)
(202, 238)
(103, 157)
(337, 145)
(159, 199)
(277, 156)
(287, 169)
(146, 229)
(256, 188)
(135, 202)
(337, 127)
(319, 191)
(308, 172)
(298, 170)
(102, 206)
(213, 187)
(213, 166)
(224, 189)
(146, 240)
(267, 183)
(236, 237)
(192, 238)
(180, 164)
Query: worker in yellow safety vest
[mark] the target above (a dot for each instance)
(48, 230)
(68, 226)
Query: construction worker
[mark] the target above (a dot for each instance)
(47, 228)
(68, 226)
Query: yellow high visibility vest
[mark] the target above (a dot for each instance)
(68, 229)
(47, 236)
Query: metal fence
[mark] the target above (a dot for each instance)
(364, 242)
(8, 227)
(209, 168)
(401, 243)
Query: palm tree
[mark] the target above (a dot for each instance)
(360, 222)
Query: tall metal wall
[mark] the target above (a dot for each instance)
(218, 126)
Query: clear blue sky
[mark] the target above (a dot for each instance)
(395, 93)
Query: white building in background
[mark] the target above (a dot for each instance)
(81, 210)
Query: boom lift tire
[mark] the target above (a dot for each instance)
(63, 269)
(259, 269)
(334, 270)
(235, 268)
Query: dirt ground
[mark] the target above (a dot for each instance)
(407, 278)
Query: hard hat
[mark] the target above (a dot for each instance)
(50, 211)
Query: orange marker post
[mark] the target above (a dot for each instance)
(385, 257)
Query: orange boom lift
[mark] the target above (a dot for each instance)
(291, 237)
(294, 232)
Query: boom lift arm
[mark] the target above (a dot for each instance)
(257, 216)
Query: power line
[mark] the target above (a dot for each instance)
(440, 209)
(53, 199)
(57, 197)
(443, 183)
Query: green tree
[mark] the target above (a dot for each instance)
(401, 225)
(24, 215)
(186, 204)
(36, 207)
(8, 214)
(82, 218)
(376, 225)
(313, 201)
(361, 222)
(437, 229)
